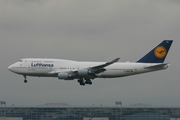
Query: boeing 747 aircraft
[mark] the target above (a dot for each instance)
(85, 72)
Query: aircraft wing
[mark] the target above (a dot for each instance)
(106, 64)
(92, 71)
(100, 68)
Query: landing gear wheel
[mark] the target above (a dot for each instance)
(82, 84)
(81, 81)
(25, 81)
(88, 81)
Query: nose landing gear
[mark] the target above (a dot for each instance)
(25, 81)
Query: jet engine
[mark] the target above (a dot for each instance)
(84, 72)
(64, 76)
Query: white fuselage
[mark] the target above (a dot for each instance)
(48, 67)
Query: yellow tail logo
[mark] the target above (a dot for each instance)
(160, 52)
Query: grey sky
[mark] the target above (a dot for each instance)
(87, 30)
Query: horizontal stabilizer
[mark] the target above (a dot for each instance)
(159, 66)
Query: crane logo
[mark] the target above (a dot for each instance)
(160, 52)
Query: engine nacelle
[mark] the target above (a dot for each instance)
(63, 76)
(83, 72)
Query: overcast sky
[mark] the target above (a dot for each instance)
(89, 30)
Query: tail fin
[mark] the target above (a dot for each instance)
(158, 54)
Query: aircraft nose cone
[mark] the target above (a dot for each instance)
(10, 68)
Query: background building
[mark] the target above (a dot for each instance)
(66, 112)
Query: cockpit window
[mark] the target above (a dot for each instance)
(20, 61)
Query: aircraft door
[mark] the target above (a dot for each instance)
(135, 71)
(27, 65)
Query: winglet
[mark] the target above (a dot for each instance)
(115, 60)
(106, 64)
(109, 63)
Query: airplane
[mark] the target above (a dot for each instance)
(85, 72)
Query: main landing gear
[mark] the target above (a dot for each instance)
(86, 81)
(25, 81)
